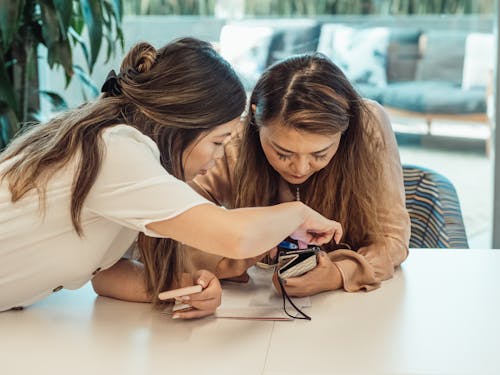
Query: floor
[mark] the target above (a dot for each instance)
(458, 152)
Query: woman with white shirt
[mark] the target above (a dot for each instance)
(76, 191)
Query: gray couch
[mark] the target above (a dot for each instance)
(412, 72)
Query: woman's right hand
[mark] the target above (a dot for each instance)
(317, 229)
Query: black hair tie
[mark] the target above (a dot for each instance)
(111, 85)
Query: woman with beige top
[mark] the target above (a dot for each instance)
(310, 137)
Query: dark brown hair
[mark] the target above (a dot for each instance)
(311, 94)
(172, 95)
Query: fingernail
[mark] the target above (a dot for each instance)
(185, 298)
(175, 316)
(202, 283)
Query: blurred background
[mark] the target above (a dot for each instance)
(431, 63)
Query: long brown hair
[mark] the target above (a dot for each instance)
(311, 94)
(172, 95)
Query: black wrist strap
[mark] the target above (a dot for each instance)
(284, 294)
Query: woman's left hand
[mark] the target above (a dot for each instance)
(205, 302)
(326, 276)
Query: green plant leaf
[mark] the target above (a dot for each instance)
(9, 124)
(120, 37)
(109, 49)
(56, 101)
(77, 21)
(60, 53)
(64, 11)
(86, 80)
(50, 21)
(118, 8)
(7, 94)
(92, 15)
(10, 11)
(79, 40)
(108, 15)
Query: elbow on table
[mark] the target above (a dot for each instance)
(387, 269)
(98, 286)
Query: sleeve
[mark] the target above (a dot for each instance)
(366, 268)
(132, 187)
(216, 186)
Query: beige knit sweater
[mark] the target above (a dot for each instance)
(361, 270)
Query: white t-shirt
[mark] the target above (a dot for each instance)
(40, 254)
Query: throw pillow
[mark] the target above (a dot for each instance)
(478, 60)
(360, 53)
(443, 56)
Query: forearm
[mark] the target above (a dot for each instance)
(124, 280)
(239, 233)
(265, 227)
(385, 256)
(370, 265)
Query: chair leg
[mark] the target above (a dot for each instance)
(428, 121)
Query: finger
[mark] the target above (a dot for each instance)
(306, 237)
(297, 292)
(207, 305)
(321, 238)
(201, 296)
(213, 290)
(191, 314)
(292, 282)
(338, 234)
(276, 283)
(203, 278)
(273, 252)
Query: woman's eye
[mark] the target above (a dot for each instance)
(218, 144)
(283, 156)
(320, 157)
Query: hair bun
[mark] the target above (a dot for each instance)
(140, 58)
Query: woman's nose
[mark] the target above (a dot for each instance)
(301, 166)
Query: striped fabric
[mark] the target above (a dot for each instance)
(432, 202)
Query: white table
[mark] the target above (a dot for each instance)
(440, 314)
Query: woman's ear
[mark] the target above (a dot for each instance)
(253, 107)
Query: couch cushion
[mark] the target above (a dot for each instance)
(434, 97)
(402, 54)
(369, 91)
(442, 56)
(478, 60)
(360, 53)
(292, 38)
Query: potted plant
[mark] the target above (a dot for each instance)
(58, 25)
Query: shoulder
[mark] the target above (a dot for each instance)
(376, 113)
(376, 119)
(125, 138)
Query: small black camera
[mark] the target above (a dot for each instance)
(294, 262)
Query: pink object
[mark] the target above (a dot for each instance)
(302, 245)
